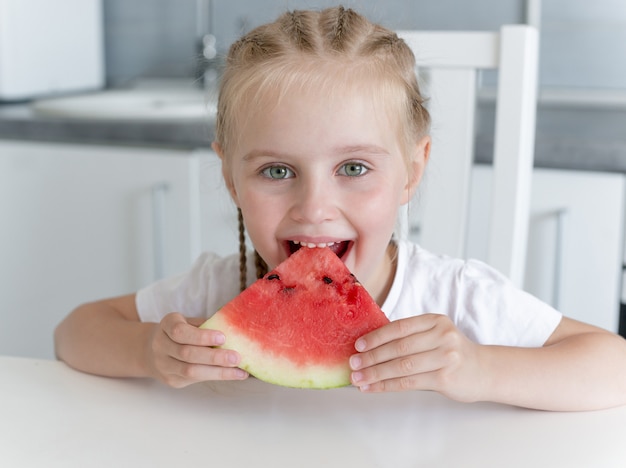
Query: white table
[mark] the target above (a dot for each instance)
(53, 416)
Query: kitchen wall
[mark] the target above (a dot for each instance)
(583, 43)
(149, 38)
(158, 38)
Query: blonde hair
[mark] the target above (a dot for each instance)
(326, 50)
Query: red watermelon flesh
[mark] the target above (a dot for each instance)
(297, 325)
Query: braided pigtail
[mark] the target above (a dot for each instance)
(261, 266)
(259, 263)
(243, 268)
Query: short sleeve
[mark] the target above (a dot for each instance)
(485, 305)
(211, 282)
(491, 310)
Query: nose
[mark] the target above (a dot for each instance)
(315, 201)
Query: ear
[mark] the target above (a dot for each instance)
(419, 159)
(226, 171)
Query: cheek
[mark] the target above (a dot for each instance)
(392, 192)
(379, 209)
(261, 215)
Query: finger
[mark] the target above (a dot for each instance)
(401, 348)
(395, 330)
(414, 364)
(183, 374)
(205, 355)
(425, 381)
(402, 338)
(180, 331)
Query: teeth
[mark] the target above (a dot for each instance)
(311, 245)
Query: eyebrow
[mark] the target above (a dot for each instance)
(257, 153)
(370, 149)
(346, 150)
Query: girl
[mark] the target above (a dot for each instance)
(323, 135)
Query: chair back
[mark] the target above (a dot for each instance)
(450, 64)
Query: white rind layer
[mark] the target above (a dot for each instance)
(275, 369)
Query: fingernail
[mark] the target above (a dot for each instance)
(357, 377)
(233, 358)
(360, 344)
(219, 339)
(355, 362)
(241, 374)
(364, 388)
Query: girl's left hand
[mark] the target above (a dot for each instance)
(425, 352)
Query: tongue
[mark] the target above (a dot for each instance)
(339, 248)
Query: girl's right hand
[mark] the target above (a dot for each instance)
(181, 354)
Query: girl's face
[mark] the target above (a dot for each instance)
(320, 171)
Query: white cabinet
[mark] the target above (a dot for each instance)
(81, 222)
(218, 213)
(575, 240)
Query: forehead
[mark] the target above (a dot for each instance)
(310, 121)
(308, 94)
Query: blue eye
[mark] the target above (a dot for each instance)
(277, 172)
(353, 169)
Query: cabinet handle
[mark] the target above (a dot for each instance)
(158, 228)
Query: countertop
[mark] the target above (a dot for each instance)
(569, 135)
(53, 416)
(575, 137)
(20, 122)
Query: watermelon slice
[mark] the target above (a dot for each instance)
(297, 325)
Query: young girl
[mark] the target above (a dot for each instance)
(323, 136)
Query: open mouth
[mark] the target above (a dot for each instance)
(338, 248)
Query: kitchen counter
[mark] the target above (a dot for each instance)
(569, 135)
(53, 416)
(20, 122)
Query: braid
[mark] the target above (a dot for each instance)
(261, 266)
(243, 269)
(338, 42)
(294, 24)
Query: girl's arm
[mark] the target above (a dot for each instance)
(107, 338)
(580, 367)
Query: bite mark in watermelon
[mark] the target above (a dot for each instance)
(297, 325)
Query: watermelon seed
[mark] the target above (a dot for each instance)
(327, 280)
(273, 277)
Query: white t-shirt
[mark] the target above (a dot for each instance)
(481, 302)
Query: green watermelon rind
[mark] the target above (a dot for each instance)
(275, 369)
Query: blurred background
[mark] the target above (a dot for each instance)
(583, 44)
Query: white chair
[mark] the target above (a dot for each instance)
(451, 62)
